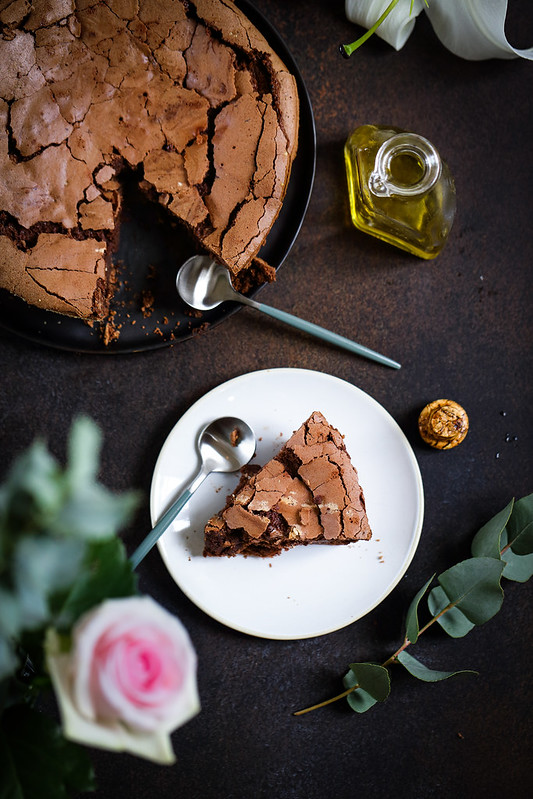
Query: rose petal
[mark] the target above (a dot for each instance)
(113, 736)
(99, 692)
(129, 679)
(143, 671)
(473, 29)
(398, 25)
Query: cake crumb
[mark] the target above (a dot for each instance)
(111, 331)
(147, 306)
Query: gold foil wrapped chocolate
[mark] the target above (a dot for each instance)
(443, 424)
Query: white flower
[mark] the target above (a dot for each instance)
(129, 679)
(397, 26)
(472, 29)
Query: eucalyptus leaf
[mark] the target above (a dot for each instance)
(91, 512)
(43, 565)
(453, 621)
(84, 446)
(373, 685)
(412, 628)
(422, 672)
(36, 762)
(8, 659)
(517, 567)
(519, 529)
(33, 492)
(473, 586)
(10, 617)
(359, 699)
(487, 541)
(108, 574)
(468, 594)
(48, 562)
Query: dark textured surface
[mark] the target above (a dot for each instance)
(462, 327)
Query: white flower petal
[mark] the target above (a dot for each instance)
(473, 29)
(396, 28)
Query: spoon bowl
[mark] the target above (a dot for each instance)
(225, 445)
(204, 284)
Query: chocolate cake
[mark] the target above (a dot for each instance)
(185, 96)
(308, 493)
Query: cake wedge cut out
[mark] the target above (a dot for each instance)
(309, 493)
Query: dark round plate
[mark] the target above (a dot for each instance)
(148, 312)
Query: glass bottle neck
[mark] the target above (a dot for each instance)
(406, 165)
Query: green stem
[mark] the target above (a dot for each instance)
(326, 701)
(348, 49)
(392, 659)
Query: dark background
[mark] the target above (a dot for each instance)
(461, 326)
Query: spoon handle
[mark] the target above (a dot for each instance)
(322, 333)
(166, 519)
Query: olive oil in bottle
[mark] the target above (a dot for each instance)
(399, 188)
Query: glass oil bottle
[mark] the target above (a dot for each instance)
(399, 189)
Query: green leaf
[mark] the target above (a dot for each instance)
(412, 628)
(91, 512)
(453, 621)
(109, 574)
(36, 762)
(359, 700)
(39, 497)
(520, 526)
(422, 672)
(32, 492)
(517, 567)
(8, 659)
(487, 540)
(10, 621)
(42, 565)
(84, 446)
(371, 684)
(473, 586)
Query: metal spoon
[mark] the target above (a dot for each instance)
(204, 284)
(225, 445)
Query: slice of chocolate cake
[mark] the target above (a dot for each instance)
(308, 493)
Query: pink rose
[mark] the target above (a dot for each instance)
(129, 679)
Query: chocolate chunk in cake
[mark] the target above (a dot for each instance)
(189, 98)
(308, 493)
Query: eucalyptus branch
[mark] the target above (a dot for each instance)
(392, 659)
(468, 594)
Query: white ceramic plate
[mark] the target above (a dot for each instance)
(310, 590)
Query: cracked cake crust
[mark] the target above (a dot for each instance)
(308, 493)
(186, 95)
